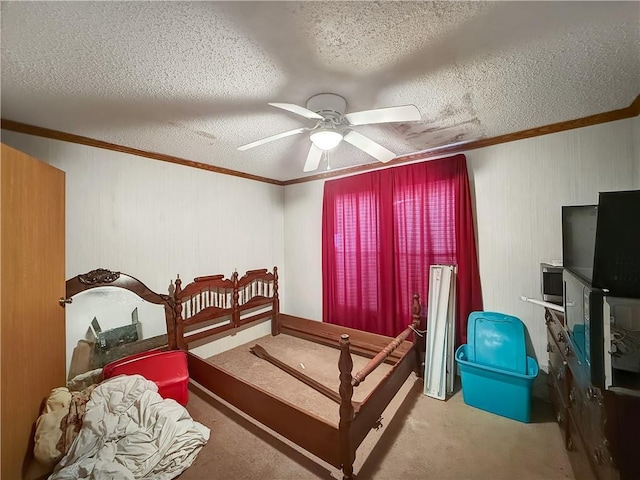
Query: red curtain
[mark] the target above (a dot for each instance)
(381, 232)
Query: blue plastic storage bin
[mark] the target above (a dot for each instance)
(496, 340)
(496, 390)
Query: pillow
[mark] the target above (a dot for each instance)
(84, 380)
(61, 420)
(48, 432)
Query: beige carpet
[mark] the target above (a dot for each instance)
(422, 438)
(316, 361)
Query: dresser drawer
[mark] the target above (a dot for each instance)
(559, 408)
(585, 414)
(554, 326)
(586, 409)
(594, 434)
(587, 461)
(603, 464)
(558, 368)
(577, 452)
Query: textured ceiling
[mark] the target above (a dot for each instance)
(193, 79)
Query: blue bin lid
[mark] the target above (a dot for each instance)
(497, 340)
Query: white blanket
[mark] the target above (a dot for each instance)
(130, 432)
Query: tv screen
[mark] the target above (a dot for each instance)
(579, 239)
(617, 254)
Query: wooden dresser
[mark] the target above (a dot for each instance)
(601, 429)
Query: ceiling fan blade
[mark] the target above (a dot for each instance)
(403, 113)
(313, 159)
(369, 146)
(271, 138)
(298, 110)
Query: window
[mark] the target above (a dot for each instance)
(381, 232)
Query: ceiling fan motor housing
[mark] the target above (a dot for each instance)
(327, 103)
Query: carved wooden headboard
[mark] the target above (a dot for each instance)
(213, 304)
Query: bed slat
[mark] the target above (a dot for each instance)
(207, 314)
(254, 318)
(214, 330)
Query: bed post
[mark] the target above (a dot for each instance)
(415, 314)
(345, 365)
(235, 314)
(170, 315)
(178, 309)
(275, 319)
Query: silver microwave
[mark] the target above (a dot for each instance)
(551, 283)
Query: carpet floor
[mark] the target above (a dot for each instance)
(421, 438)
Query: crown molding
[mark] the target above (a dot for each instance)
(91, 142)
(632, 110)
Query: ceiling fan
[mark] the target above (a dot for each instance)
(334, 125)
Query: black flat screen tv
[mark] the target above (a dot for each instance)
(579, 225)
(616, 267)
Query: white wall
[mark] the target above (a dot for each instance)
(303, 249)
(518, 190)
(153, 219)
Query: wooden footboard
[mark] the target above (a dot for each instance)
(377, 401)
(335, 444)
(355, 425)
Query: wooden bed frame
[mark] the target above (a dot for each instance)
(221, 304)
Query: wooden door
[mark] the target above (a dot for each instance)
(32, 279)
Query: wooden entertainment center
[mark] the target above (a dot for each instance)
(600, 427)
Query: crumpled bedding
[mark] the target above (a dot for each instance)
(130, 432)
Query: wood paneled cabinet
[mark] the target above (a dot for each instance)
(601, 429)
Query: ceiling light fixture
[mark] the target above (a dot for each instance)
(326, 138)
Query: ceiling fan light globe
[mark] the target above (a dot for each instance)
(326, 139)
